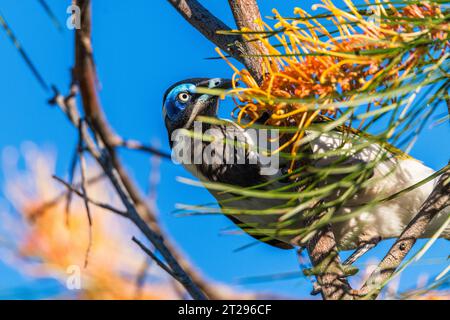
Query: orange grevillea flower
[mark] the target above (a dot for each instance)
(312, 67)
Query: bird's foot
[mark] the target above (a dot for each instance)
(317, 288)
(349, 270)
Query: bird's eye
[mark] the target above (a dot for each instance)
(184, 97)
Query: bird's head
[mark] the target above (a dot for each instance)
(182, 103)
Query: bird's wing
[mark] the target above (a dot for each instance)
(244, 171)
(342, 129)
(336, 149)
(344, 148)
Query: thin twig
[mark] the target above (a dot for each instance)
(54, 201)
(83, 167)
(83, 184)
(141, 276)
(155, 258)
(86, 198)
(136, 145)
(66, 104)
(15, 41)
(51, 14)
(72, 169)
(437, 201)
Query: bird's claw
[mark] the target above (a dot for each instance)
(317, 288)
(349, 270)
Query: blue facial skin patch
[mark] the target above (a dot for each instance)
(172, 105)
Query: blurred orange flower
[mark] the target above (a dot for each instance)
(47, 243)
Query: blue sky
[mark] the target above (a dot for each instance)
(141, 47)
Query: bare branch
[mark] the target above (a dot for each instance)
(437, 201)
(209, 25)
(51, 15)
(83, 167)
(155, 258)
(85, 75)
(72, 169)
(80, 153)
(54, 201)
(136, 145)
(246, 13)
(15, 41)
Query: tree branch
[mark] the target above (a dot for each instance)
(86, 77)
(209, 25)
(328, 270)
(437, 201)
(147, 251)
(246, 13)
(136, 145)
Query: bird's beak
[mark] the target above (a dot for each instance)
(222, 83)
(207, 104)
(216, 83)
